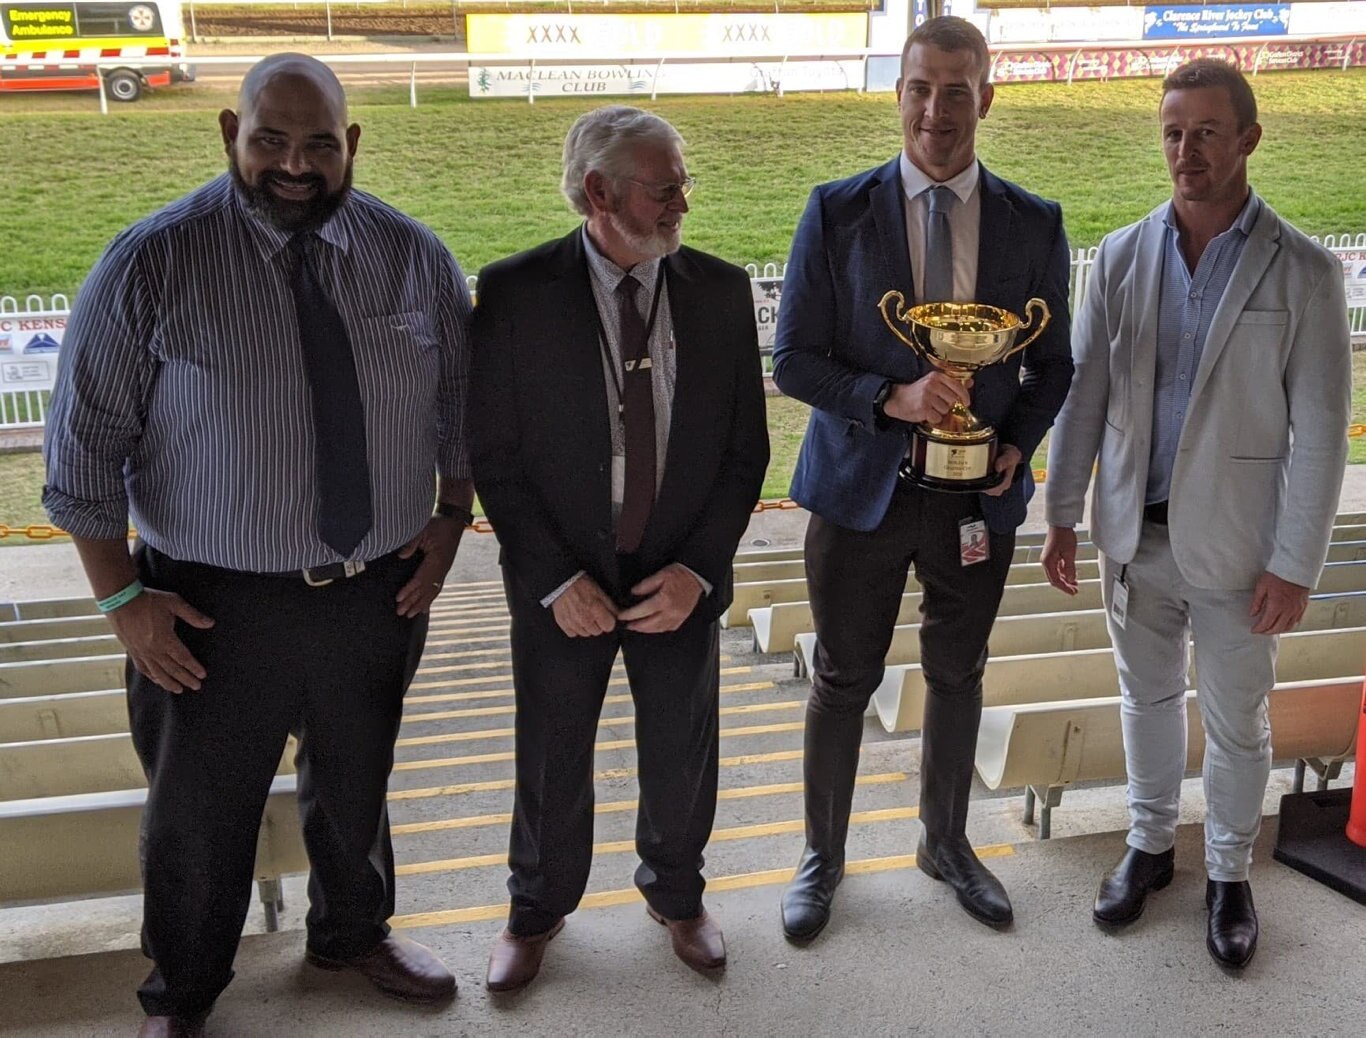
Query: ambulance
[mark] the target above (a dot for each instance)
(50, 46)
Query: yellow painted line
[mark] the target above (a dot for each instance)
(742, 881)
(741, 761)
(627, 719)
(499, 711)
(605, 807)
(738, 832)
(611, 744)
(461, 682)
(496, 650)
(506, 652)
(498, 693)
(482, 625)
(493, 785)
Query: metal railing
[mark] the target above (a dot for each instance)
(20, 408)
(1167, 53)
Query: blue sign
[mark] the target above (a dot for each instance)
(1215, 21)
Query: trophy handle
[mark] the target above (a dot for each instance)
(900, 314)
(1035, 304)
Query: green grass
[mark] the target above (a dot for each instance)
(1357, 451)
(484, 174)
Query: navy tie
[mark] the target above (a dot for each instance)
(938, 279)
(638, 414)
(344, 511)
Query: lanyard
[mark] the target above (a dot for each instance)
(617, 377)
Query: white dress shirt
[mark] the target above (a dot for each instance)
(965, 220)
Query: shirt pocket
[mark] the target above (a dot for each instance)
(397, 358)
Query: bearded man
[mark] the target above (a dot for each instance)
(269, 377)
(619, 445)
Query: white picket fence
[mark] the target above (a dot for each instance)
(26, 408)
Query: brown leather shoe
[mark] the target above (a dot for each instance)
(698, 942)
(515, 961)
(173, 1026)
(400, 968)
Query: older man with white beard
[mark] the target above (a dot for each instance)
(619, 445)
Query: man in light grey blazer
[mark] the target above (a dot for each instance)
(1212, 396)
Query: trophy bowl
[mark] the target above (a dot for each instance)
(959, 454)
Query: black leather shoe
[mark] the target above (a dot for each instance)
(1125, 888)
(806, 901)
(1232, 938)
(979, 892)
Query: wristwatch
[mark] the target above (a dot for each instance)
(449, 511)
(879, 399)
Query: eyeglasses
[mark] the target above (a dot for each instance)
(663, 193)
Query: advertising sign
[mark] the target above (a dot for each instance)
(1215, 21)
(1354, 276)
(768, 293)
(633, 34)
(28, 351)
(603, 79)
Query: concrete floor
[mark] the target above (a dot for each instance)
(900, 958)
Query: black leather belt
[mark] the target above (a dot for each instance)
(1155, 513)
(321, 576)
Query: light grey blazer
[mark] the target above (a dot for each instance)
(1260, 460)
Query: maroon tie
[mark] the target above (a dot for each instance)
(638, 403)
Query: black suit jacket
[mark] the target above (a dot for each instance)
(540, 438)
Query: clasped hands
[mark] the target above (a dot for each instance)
(668, 597)
(930, 399)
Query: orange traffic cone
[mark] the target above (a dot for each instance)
(1356, 820)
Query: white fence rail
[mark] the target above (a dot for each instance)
(22, 408)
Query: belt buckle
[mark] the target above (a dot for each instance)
(349, 569)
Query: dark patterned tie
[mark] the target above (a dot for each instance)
(938, 280)
(344, 513)
(638, 402)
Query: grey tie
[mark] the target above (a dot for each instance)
(938, 275)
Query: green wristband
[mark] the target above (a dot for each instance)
(120, 598)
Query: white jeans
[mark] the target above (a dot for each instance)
(1235, 671)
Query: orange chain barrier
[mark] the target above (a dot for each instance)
(43, 532)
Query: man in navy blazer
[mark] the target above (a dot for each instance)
(858, 238)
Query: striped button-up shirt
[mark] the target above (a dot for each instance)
(182, 399)
(1186, 304)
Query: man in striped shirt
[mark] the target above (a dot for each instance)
(269, 377)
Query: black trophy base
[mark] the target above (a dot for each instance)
(949, 454)
(1312, 839)
(949, 486)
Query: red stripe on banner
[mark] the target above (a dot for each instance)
(158, 52)
(111, 52)
(71, 54)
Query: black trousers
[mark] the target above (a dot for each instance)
(330, 664)
(856, 582)
(560, 684)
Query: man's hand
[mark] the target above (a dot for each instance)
(668, 598)
(1007, 458)
(1277, 605)
(1060, 558)
(927, 399)
(438, 542)
(584, 610)
(146, 627)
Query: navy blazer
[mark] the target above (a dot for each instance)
(540, 440)
(833, 350)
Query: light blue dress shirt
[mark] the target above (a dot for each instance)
(1187, 302)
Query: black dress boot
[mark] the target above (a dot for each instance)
(1232, 936)
(979, 892)
(1124, 890)
(829, 768)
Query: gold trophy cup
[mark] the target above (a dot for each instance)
(959, 339)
